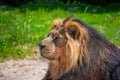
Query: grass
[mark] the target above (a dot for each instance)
(21, 28)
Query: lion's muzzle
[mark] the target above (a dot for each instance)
(47, 47)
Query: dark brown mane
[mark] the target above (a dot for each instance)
(85, 55)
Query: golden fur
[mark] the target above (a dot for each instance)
(77, 52)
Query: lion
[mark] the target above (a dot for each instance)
(77, 51)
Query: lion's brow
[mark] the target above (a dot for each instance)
(53, 33)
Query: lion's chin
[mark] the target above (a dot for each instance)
(48, 57)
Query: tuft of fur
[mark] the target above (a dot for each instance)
(80, 53)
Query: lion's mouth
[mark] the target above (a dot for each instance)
(47, 57)
(46, 53)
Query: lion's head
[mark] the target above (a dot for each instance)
(65, 38)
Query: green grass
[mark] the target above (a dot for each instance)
(23, 27)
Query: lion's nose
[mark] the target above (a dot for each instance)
(42, 45)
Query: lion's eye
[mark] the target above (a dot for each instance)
(56, 39)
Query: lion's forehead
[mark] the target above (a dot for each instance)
(57, 32)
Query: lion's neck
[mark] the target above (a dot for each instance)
(59, 67)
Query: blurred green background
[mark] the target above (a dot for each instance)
(22, 27)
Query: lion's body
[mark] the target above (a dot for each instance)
(81, 53)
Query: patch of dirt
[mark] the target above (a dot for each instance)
(24, 69)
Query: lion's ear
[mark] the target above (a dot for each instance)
(73, 29)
